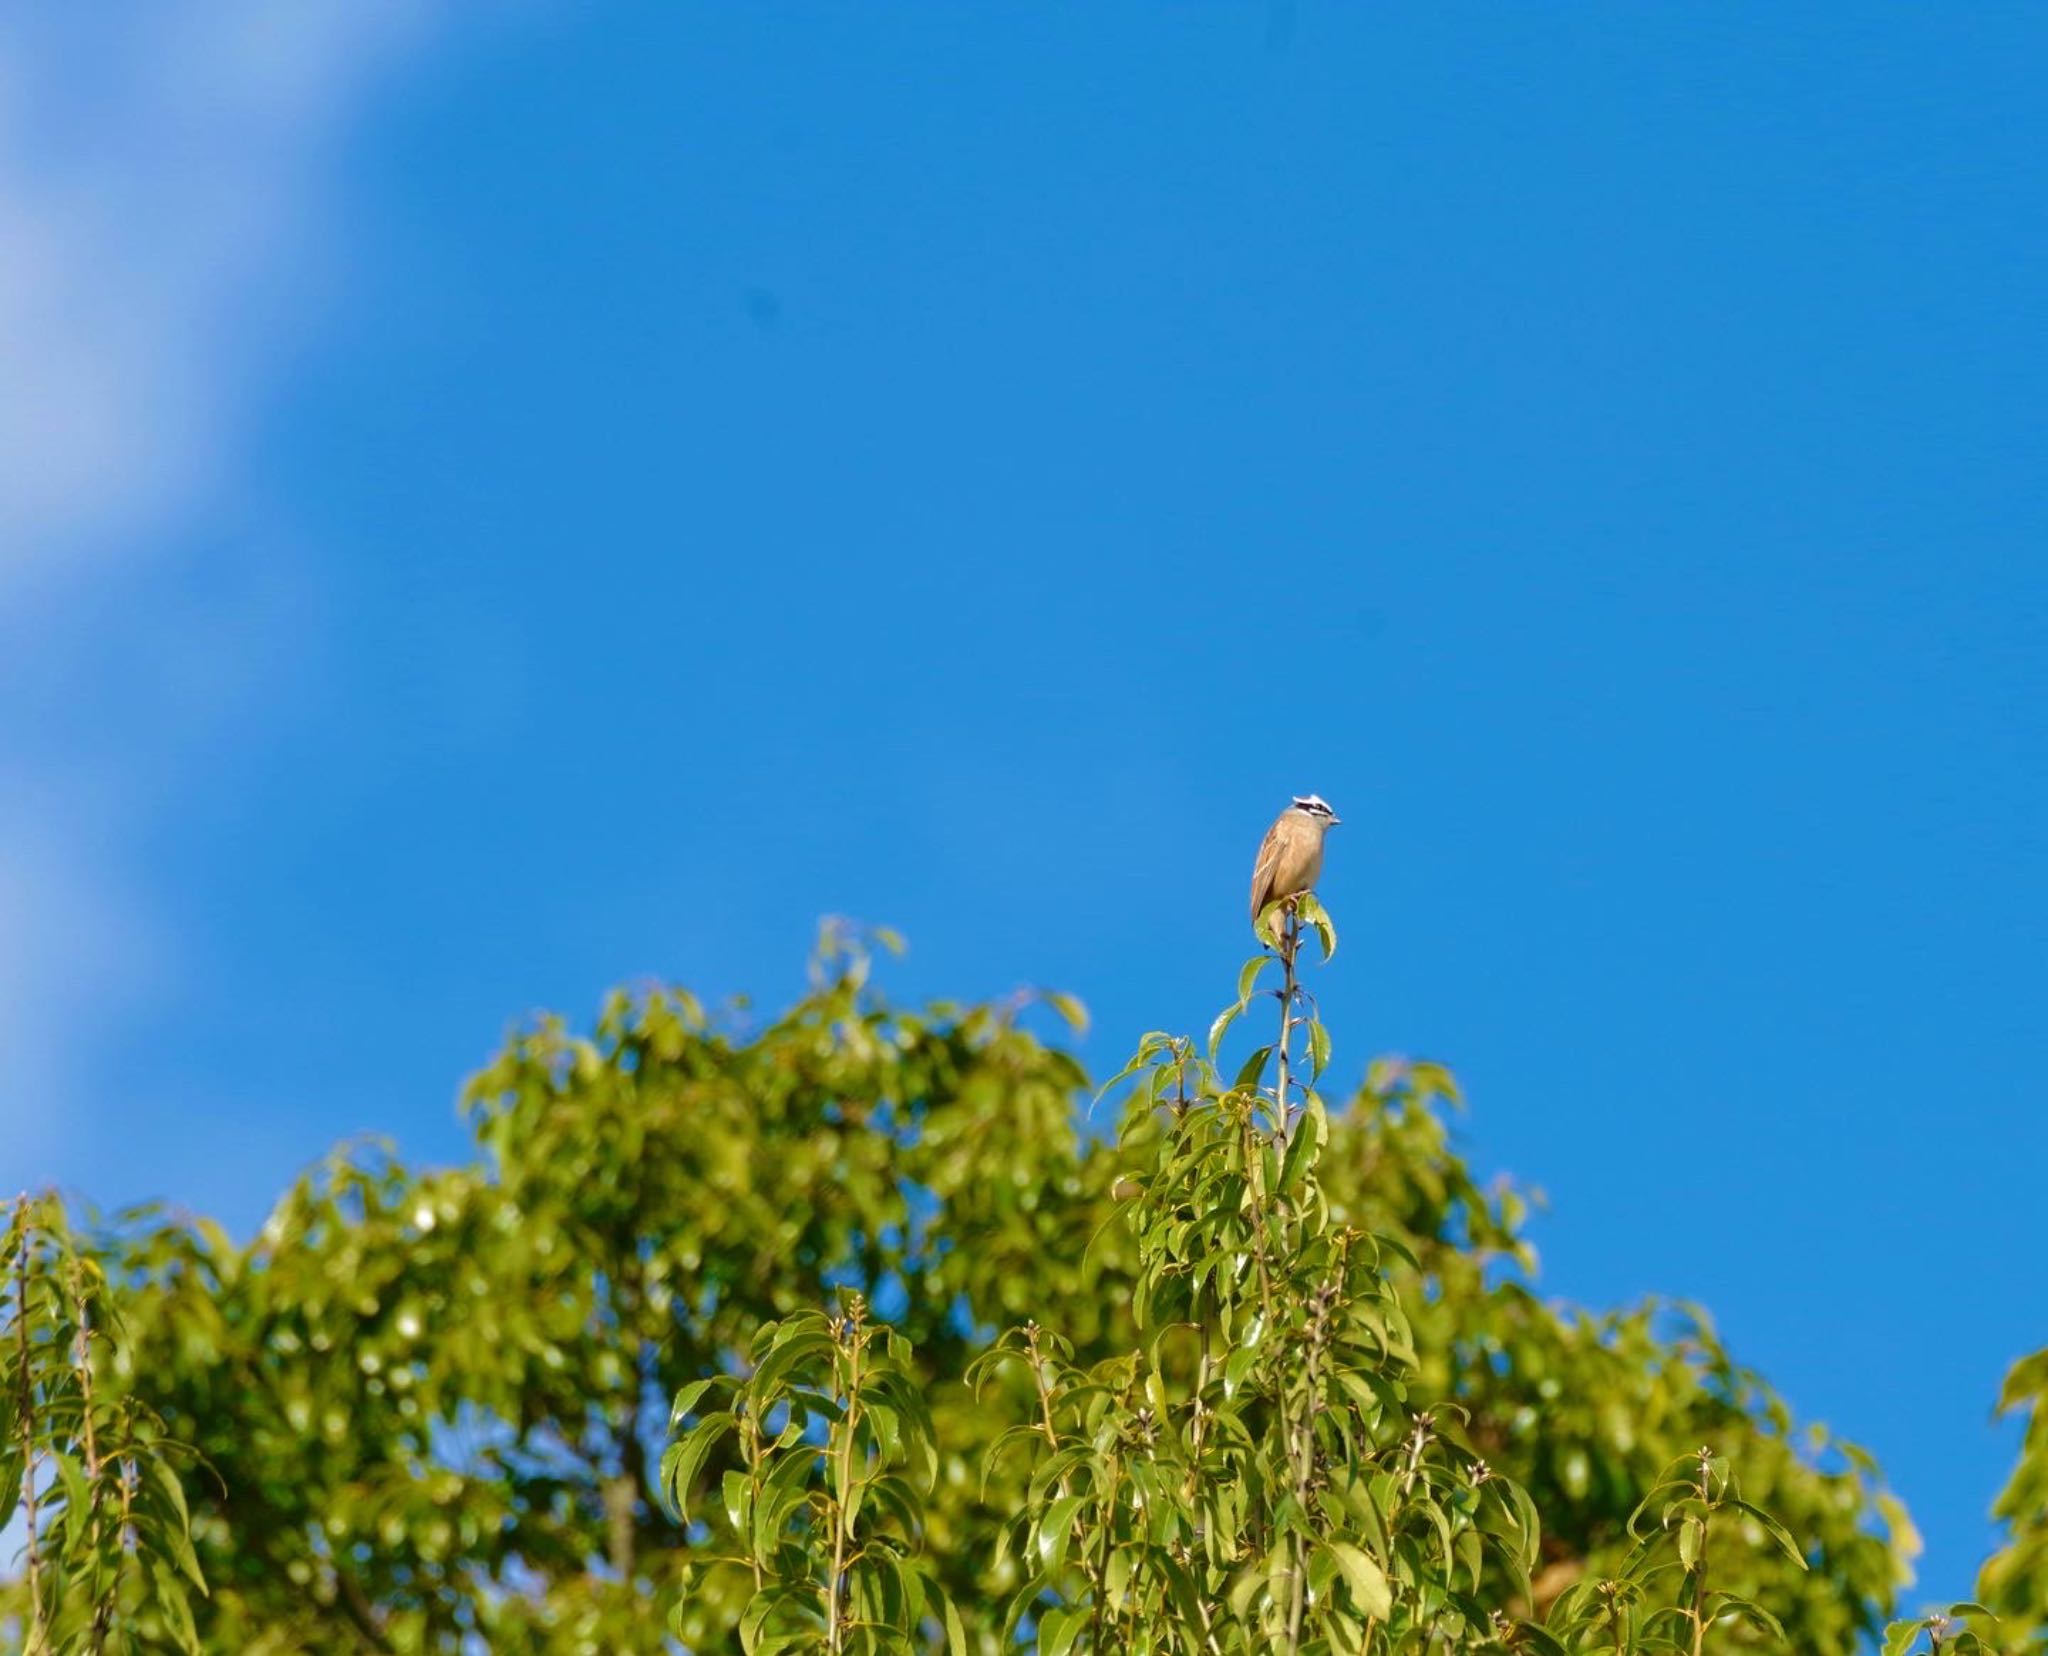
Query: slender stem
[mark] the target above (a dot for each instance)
(1203, 1371)
(1290, 947)
(1301, 1453)
(1297, 1569)
(835, 1590)
(1043, 1387)
(1411, 1469)
(1297, 1593)
(1699, 1591)
(103, 1610)
(1038, 1380)
(1254, 1164)
(1208, 1626)
(1101, 1570)
(1417, 1440)
(752, 1450)
(26, 1410)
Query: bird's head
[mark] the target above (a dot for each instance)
(1316, 809)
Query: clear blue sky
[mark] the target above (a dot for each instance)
(503, 506)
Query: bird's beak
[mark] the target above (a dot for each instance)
(1335, 819)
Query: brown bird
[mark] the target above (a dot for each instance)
(1291, 855)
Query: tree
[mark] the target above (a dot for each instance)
(2014, 1582)
(1313, 1425)
(432, 1410)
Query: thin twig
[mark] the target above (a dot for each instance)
(1038, 1381)
(1100, 1583)
(1417, 1439)
(1298, 1455)
(1254, 1164)
(835, 1589)
(751, 1448)
(103, 1609)
(1290, 946)
(1301, 1452)
(1699, 1592)
(27, 1413)
(1203, 1371)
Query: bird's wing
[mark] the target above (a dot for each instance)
(1262, 870)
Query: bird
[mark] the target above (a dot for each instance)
(1291, 855)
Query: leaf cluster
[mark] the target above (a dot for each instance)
(821, 1520)
(85, 1465)
(2014, 1581)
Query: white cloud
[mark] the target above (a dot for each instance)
(159, 175)
(166, 198)
(72, 945)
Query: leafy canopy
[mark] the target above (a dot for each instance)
(833, 1332)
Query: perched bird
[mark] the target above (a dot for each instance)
(1291, 855)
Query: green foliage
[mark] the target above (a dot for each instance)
(1260, 1472)
(821, 1520)
(1257, 1458)
(2014, 1581)
(107, 1557)
(434, 1402)
(1959, 1630)
(1248, 1476)
(917, 1367)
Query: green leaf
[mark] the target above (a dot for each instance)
(1690, 1534)
(956, 1635)
(1755, 1614)
(1900, 1636)
(2027, 1379)
(759, 1608)
(179, 1537)
(1314, 914)
(1074, 1014)
(795, 1348)
(1058, 1627)
(71, 1477)
(1304, 1144)
(782, 1492)
(688, 1398)
(1248, 977)
(1121, 1075)
(895, 1498)
(1531, 1637)
(1024, 1600)
(1771, 1527)
(170, 1598)
(1221, 1027)
(680, 1463)
(1370, 1590)
(1055, 1529)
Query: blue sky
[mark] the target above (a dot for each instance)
(497, 506)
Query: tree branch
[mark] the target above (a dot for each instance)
(26, 1408)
